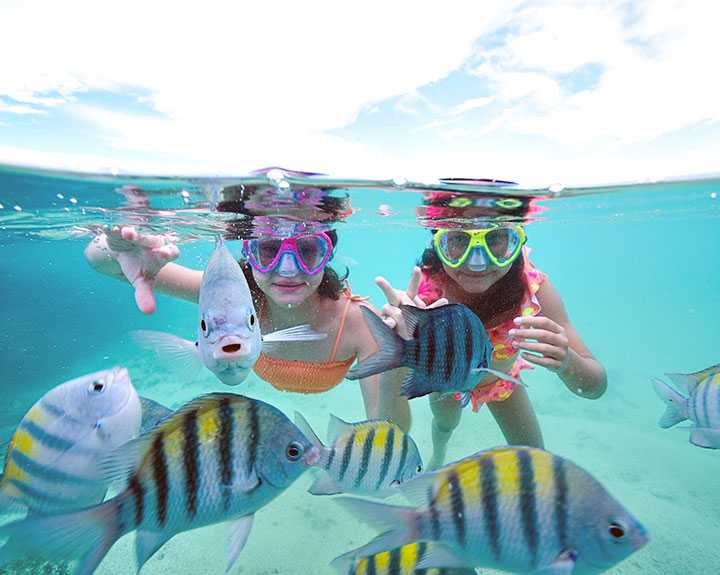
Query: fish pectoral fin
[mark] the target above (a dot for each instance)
(246, 484)
(147, 544)
(414, 386)
(499, 374)
(442, 556)
(705, 437)
(324, 485)
(177, 354)
(239, 532)
(563, 565)
(303, 332)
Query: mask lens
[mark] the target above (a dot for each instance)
(312, 251)
(503, 243)
(264, 251)
(454, 245)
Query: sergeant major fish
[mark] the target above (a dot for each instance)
(701, 406)
(229, 341)
(448, 352)
(53, 459)
(515, 509)
(220, 457)
(401, 561)
(369, 457)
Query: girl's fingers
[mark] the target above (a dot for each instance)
(542, 335)
(538, 321)
(388, 290)
(547, 362)
(547, 350)
(390, 322)
(412, 289)
(438, 303)
(144, 297)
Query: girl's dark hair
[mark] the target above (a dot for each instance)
(499, 302)
(331, 286)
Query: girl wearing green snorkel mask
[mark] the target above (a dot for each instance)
(488, 269)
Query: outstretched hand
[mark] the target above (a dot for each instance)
(391, 314)
(542, 341)
(141, 256)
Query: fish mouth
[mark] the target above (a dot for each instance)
(231, 348)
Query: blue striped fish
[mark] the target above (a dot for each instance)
(515, 509)
(449, 350)
(369, 457)
(54, 456)
(221, 457)
(401, 561)
(701, 406)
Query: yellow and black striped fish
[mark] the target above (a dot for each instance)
(368, 457)
(401, 561)
(513, 509)
(222, 456)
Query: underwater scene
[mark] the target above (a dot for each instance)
(290, 373)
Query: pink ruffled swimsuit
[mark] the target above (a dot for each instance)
(498, 390)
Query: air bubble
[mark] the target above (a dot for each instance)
(713, 195)
(399, 182)
(59, 196)
(17, 208)
(185, 194)
(73, 200)
(556, 188)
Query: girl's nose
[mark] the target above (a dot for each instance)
(287, 266)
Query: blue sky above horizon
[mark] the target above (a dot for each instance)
(540, 92)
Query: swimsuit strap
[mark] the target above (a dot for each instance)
(350, 299)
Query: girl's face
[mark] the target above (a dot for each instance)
(476, 282)
(287, 284)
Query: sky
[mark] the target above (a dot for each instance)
(537, 92)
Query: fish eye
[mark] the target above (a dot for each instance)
(203, 326)
(251, 320)
(419, 468)
(96, 387)
(617, 530)
(294, 451)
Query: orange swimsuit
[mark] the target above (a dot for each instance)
(499, 390)
(301, 376)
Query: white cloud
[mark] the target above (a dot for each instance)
(655, 70)
(19, 109)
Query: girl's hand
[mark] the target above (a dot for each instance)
(391, 314)
(550, 345)
(141, 257)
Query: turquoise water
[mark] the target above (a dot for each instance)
(636, 267)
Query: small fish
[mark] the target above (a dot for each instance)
(401, 561)
(152, 414)
(229, 341)
(369, 457)
(54, 457)
(448, 352)
(515, 509)
(701, 406)
(220, 457)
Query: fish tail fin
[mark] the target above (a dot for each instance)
(390, 353)
(399, 525)
(87, 534)
(676, 410)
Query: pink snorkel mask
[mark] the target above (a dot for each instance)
(311, 252)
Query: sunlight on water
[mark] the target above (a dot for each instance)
(635, 266)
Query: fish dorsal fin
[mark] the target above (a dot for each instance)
(691, 380)
(336, 427)
(706, 373)
(124, 460)
(413, 317)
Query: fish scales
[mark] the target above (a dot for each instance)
(401, 561)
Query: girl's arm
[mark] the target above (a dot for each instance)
(558, 346)
(144, 262)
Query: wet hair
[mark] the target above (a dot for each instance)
(331, 286)
(496, 304)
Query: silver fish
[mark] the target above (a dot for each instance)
(701, 406)
(221, 457)
(54, 457)
(516, 509)
(368, 457)
(229, 340)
